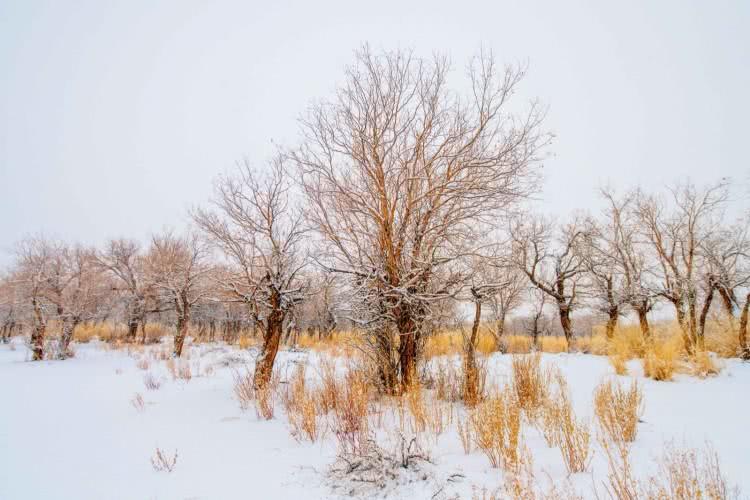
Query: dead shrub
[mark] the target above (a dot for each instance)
(618, 362)
(702, 365)
(161, 462)
(350, 422)
(143, 364)
(243, 388)
(495, 427)
(151, 382)
(138, 403)
(689, 474)
(562, 429)
(530, 383)
(660, 359)
(300, 406)
(618, 410)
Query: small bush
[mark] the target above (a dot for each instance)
(660, 359)
(618, 363)
(138, 403)
(618, 410)
(151, 382)
(495, 427)
(702, 365)
(530, 383)
(161, 462)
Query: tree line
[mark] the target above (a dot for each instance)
(404, 201)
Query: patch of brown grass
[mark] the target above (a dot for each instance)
(495, 427)
(618, 409)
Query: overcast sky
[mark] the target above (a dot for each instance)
(116, 116)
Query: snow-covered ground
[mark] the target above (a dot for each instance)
(68, 429)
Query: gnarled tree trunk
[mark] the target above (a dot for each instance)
(613, 315)
(471, 372)
(271, 339)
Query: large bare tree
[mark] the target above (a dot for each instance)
(403, 175)
(261, 233)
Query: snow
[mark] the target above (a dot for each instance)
(68, 430)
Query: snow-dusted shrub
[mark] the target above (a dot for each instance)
(660, 359)
(350, 417)
(301, 408)
(143, 364)
(243, 388)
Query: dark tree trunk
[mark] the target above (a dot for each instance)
(182, 331)
(271, 340)
(702, 319)
(38, 333)
(643, 322)
(614, 314)
(471, 372)
(499, 331)
(565, 321)
(407, 349)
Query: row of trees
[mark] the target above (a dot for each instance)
(402, 203)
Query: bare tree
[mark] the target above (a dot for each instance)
(628, 255)
(677, 239)
(78, 292)
(261, 234)
(554, 265)
(10, 305)
(505, 299)
(536, 323)
(177, 267)
(34, 257)
(123, 259)
(402, 176)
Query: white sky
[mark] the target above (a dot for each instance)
(116, 116)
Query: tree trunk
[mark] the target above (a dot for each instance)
(499, 331)
(407, 350)
(38, 333)
(471, 373)
(182, 330)
(614, 313)
(565, 321)
(728, 303)
(132, 329)
(702, 319)
(744, 350)
(687, 337)
(69, 327)
(271, 340)
(643, 322)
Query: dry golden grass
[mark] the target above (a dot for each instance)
(495, 427)
(661, 358)
(530, 383)
(618, 409)
(246, 342)
(702, 365)
(339, 343)
(618, 362)
(300, 404)
(561, 428)
(689, 474)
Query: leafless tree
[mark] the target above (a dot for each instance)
(177, 267)
(505, 299)
(260, 233)
(553, 263)
(34, 259)
(628, 254)
(727, 270)
(402, 175)
(536, 323)
(10, 305)
(123, 259)
(677, 237)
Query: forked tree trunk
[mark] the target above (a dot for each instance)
(614, 314)
(471, 372)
